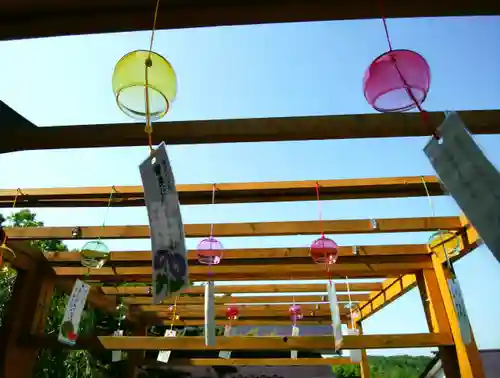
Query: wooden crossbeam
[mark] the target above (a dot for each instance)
(197, 194)
(354, 226)
(246, 343)
(286, 255)
(240, 130)
(263, 361)
(228, 300)
(393, 288)
(251, 321)
(89, 18)
(256, 272)
(307, 343)
(245, 310)
(284, 287)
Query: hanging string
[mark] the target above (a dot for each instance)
(148, 129)
(433, 212)
(409, 92)
(320, 211)
(110, 199)
(174, 313)
(213, 203)
(350, 301)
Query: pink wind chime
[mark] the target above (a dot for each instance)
(209, 252)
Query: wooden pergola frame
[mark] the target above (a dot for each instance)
(401, 266)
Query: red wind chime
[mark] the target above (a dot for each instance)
(398, 80)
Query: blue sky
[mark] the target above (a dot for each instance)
(263, 71)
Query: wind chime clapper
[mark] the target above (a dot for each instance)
(209, 252)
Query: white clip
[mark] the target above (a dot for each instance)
(355, 250)
(374, 224)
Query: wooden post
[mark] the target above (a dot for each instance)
(437, 319)
(469, 359)
(364, 366)
(135, 358)
(27, 312)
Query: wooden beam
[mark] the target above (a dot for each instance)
(54, 19)
(276, 343)
(228, 300)
(249, 343)
(469, 359)
(437, 319)
(254, 272)
(392, 289)
(253, 321)
(242, 130)
(364, 366)
(263, 361)
(267, 310)
(289, 255)
(469, 240)
(199, 194)
(354, 226)
(245, 289)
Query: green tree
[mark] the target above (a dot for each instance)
(56, 363)
(387, 367)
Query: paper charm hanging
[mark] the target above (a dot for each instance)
(354, 354)
(121, 315)
(335, 314)
(471, 179)
(210, 339)
(459, 304)
(295, 332)
(232, 313)
(226, 354)
(164, 355)
(68, 330)
(170, 268)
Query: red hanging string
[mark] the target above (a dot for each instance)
(423, 113)
(320, 212)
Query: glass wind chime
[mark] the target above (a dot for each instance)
(397, 80)
(209, 253)
(325, 251)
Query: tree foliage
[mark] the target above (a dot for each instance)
(387, 367)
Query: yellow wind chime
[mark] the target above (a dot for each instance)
(145, 84)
